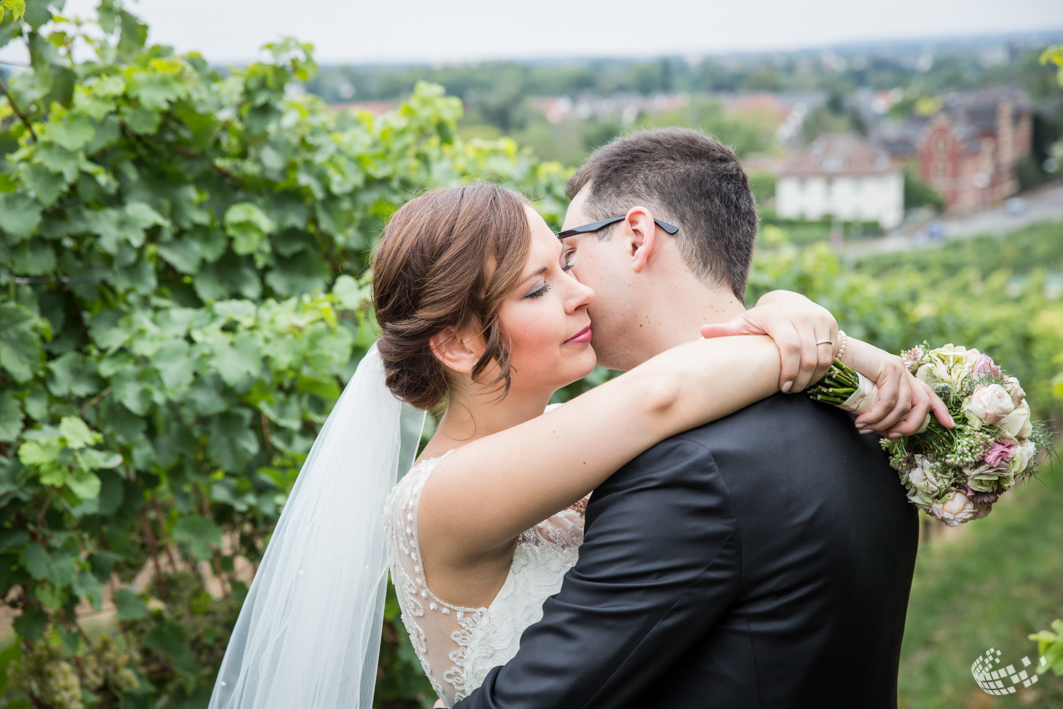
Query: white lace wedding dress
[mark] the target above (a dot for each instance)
(458, 646)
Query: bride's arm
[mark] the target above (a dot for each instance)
(484, 494)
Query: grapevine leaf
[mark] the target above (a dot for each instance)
(232, 443)
(130, 606)
(184, 255)
(176, 367)
(20, 350)
(20, 215)
(169, 639)
(76, 432)
(84, 483)
(37, 561)
(349, 294)
(88, 586)
(199, 533)
(240, 359)
(13, 538)
(16, 7)
(112, 492)
(10, 417)
(30, 625)
(39, 453)
(72, 133)
(94, 459)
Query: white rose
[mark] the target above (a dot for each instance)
(990, 403)
(958, 361)
(1016, 391)
(919, 498)
(956, 510)
(986, 478)
(925, 479)
(1018, 423)
(934, 372)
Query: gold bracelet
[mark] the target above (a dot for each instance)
(841, 350)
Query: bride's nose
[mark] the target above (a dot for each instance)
(580, 296)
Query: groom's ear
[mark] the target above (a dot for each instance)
(642, 236)
(455, 349)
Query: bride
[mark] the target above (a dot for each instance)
(479, 313)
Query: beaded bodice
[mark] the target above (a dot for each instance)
(457, 646)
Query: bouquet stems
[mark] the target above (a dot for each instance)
(837, 386)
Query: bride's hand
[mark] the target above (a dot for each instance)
(903, 400)
(796, 324)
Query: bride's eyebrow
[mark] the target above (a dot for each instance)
(530, 276)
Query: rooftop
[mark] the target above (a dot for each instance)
(839, 155)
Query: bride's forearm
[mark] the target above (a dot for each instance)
(487, 492)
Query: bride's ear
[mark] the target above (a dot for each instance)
(456, 350)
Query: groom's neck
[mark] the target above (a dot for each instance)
(674, 315)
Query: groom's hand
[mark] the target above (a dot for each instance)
(796, 324)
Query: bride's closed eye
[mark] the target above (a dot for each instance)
(540, 290)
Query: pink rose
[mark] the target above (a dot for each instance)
(1001, 452)
(984, 365)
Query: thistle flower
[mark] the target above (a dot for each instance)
(983, 498)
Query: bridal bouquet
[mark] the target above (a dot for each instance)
(955, 475)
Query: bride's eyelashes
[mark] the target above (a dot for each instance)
(540, 291)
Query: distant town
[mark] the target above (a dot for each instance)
(869, 137)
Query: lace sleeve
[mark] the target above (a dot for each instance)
(440, 632)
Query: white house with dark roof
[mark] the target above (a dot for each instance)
(841, 176)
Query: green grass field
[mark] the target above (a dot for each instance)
(990, 585)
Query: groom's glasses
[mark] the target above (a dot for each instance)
(595, 226)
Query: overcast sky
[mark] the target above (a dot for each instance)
(365, 31)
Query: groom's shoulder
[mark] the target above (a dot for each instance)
(777, 428)
(778, 417)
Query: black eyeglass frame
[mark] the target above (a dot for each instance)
(595, 226)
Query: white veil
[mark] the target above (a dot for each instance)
(308, 634)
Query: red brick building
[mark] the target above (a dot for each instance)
(968, 151)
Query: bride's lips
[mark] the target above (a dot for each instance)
(581, 337)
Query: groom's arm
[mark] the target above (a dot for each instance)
(659, 565)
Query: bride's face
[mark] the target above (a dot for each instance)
(546, 318)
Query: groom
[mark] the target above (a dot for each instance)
(763, 560)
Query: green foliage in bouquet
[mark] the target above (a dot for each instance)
(183, 291)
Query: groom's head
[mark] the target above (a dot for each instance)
(679, 177)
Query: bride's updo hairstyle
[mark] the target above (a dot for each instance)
(447, 259)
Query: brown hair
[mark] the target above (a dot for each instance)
(692, 181)
(448, 259)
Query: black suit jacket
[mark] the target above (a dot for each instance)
(763, 560)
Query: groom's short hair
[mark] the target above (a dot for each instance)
(688, 179)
